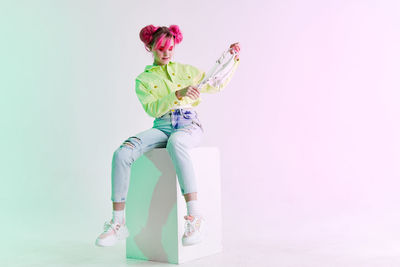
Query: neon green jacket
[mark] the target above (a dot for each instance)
(156, 86)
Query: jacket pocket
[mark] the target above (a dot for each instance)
(157, 88)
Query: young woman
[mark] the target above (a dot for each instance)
(167, 91)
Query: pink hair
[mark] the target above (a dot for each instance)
(151, 35)
(176, 32)
(146, 34)
(160, 40)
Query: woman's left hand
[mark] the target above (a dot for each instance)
(235, 47)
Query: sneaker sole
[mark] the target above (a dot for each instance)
(192, 242)
(109, 243)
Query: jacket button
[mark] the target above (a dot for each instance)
(176, 102)
(189, 76)
(179, 85)
(173, 73)
(155, 86)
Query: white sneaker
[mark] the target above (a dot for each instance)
(112, 233)
(194, 230)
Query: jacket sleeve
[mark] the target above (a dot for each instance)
(208, 88)
(153, 105)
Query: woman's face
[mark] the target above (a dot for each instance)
(163, 55)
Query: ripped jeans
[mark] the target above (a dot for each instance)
(178, 130)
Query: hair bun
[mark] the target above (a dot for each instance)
(146, 34)
(174, 29)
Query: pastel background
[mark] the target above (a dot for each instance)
(308, 127)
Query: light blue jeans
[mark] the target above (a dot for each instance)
(178, 131)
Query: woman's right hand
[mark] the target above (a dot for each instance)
(190, 91)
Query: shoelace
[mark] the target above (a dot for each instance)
(108, 225)
(190, 225)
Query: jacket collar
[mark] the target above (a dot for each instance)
(154, 67)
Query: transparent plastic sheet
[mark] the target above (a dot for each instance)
(218, 74)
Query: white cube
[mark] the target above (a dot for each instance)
(155, 207)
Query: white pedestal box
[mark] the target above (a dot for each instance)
(155, 207)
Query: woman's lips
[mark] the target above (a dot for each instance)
(165, 58)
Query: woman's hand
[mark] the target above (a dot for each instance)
(190, 91)
(235, 47)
